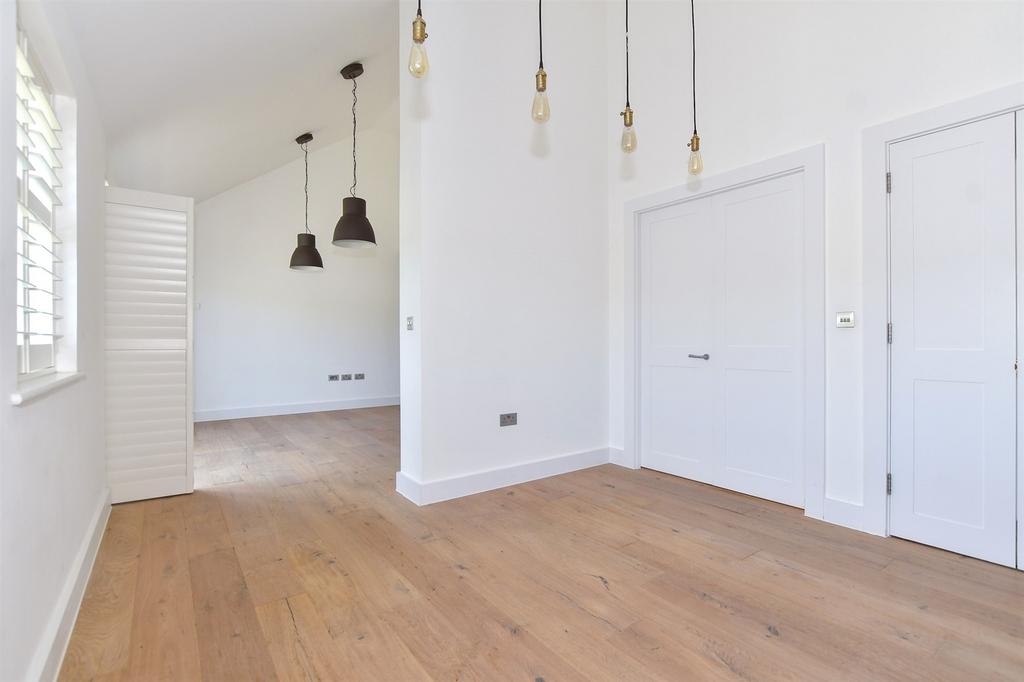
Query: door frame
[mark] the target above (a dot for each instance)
(872, 515)
(809, 161)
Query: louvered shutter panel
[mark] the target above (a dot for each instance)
(38, 135)
(148, 345)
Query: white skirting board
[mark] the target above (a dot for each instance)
(293, 408)
(618, 456)
(439, 490)
(49, 654)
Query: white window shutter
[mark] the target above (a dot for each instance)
(148, 345)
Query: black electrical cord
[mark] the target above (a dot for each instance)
(693, 34)
(419, 9)
(627, 53)
(540, 30)
(305, 152)
(352, 189)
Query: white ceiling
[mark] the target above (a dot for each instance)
(197, 97)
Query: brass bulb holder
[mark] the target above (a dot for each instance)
(542, 80)
(419, 29)
(627, 116)
(694, 144)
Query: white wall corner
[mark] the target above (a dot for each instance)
(618, 456)
(49, 654)
(439, 490)
(409, 488)
(856, 516)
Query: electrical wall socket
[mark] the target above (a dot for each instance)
(332, 377)
(346, 377)
(360, 376)
(508, 419)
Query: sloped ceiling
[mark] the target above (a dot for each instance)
(197, 97)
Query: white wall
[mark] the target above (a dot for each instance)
(774, 77)
(266, 337)
(504, 261)
(52, 480)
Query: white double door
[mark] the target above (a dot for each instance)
(954, 288)
(721, 348)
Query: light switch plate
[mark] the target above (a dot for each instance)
(846, 319)
(508, 419)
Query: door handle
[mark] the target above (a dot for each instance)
(700, 357)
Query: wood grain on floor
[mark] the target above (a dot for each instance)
(296, 560)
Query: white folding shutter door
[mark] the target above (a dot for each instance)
(147, 345)
(953, 343)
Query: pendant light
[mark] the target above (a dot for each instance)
(628, 141)
(353, 229)
(696, 163)
(418, 62)
(541, 110)
(305, 256)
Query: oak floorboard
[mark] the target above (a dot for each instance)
(101, 642)
(295, 559)
(163, 638)
(231, 641)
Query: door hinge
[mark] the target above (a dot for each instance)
(888, 484)
(888, 332)
(1016, 363)
(888, 182)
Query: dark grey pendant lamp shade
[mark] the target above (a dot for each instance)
(353, 229)
(305, 256)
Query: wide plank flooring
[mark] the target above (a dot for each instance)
(296, 560)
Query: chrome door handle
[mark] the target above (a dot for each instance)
(700, 357)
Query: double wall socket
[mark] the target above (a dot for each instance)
(345, 377)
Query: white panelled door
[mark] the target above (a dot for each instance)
(678, 273)
(760, 356)
(953, 379)
(148, 344)
(722, 326)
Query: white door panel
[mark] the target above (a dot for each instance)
(760, 354)
(678, 274)
(953, 414)
(723, 276)
(1020, 323)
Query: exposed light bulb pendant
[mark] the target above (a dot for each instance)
(695, 165)
(305, 256)
(541, 109)
(353, 229)
(628, 140)
(419, 65)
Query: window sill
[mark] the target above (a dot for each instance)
(37, 388)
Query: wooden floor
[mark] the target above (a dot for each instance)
(295, 559)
